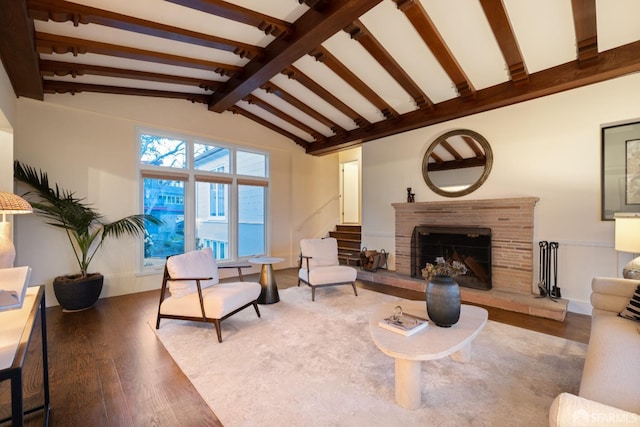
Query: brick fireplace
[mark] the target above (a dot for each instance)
(511, 224)
(512, 251)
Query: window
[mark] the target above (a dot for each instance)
(218, 195)
(208, 195)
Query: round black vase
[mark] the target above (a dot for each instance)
(75, 293)
(443, 301)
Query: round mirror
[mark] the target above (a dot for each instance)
(457, 163)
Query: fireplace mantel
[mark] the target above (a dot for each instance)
(511, 224)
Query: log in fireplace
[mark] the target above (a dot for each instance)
(471, 246)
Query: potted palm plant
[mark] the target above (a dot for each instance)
(85, 229)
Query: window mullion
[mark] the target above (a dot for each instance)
(190, 215)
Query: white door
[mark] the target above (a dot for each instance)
(350, 193)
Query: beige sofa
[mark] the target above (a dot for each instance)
(610, 386)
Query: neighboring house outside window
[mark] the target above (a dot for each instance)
(208, 195)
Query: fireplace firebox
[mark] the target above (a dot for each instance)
(469, 245)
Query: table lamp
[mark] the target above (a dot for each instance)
(627, 239)
(10, 204)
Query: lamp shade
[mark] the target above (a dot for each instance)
(627, 235)
(627, 239)
(11, 204)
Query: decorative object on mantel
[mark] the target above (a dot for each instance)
(411, 197)
(85, 230)
(10, 204)
(627, 239)
(443, 293)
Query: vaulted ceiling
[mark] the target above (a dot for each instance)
(328, 74)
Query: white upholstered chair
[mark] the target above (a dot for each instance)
(196, 294)
(319, 265)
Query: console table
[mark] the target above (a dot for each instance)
(16, 329)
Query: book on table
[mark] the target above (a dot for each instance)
(13, 287)
(407, 324)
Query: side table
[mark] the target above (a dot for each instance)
(269, 291)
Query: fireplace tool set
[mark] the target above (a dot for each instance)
(549, 268)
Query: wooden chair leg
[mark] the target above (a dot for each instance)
(255, 305)
(354, 288)
(216, 323)
(313, 293)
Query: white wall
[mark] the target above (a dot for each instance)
(7, 102)
(7, 120)
(86, 143)
(547, 148)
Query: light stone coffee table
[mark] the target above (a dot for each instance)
(431, 343)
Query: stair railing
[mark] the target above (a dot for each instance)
(330, 223)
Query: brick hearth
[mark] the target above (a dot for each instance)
(511, 224)
(512, 301)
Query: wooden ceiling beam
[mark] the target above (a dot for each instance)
(252, 99)
(584, 18)
(323, 55)
(612, 63)
(362, 35)
(451, 150)
(297, 75)
(51, 86)
(501, 26)
(273, 89)
(421, 21)
(435, 158)
(59, 68)
(18, 56)
(267, 24)
(239, 110)
(64, 11)
(309, 31)
(473, 144)
(50, 43)
(472, 162)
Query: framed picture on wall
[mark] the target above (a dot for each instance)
(632, 172)
(620, 169)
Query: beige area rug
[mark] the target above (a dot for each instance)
(310, 363)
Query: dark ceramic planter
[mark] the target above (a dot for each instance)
(443, 301)
(75, 293)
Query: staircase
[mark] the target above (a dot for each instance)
(349, 240)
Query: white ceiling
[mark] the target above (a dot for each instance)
(544, 30)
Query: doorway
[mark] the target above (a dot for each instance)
(350, 192)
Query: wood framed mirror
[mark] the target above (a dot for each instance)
(457, 163)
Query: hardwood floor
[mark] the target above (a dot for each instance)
(107, 368)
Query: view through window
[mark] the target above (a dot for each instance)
(207, 194)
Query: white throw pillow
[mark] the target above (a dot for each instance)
(194, 264)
